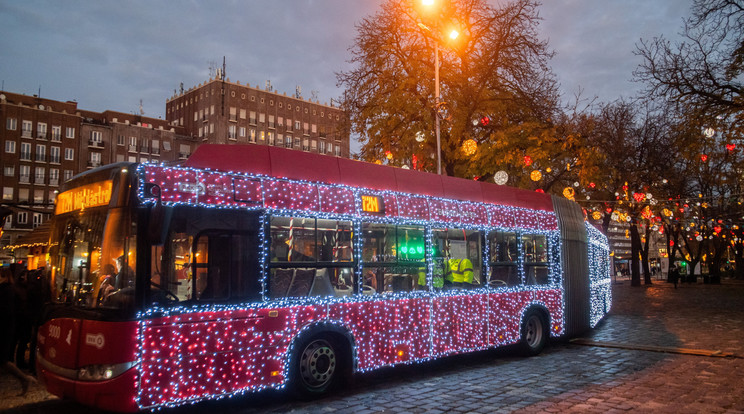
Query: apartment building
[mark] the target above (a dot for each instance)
(45, 142)
(224, 112)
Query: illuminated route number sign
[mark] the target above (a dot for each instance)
(373, 204)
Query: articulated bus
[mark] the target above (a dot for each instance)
(251, 267)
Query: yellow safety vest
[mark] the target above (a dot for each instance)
(461, 271)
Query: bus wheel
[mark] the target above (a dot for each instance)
(316, 367)
(534, 333)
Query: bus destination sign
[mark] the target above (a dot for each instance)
(373, 204)
(86, 196)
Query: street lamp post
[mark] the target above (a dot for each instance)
(436, 107)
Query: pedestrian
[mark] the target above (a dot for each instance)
(674, 275)
(23, 325)
(7, 331)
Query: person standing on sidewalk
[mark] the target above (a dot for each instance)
(674, 275)
(7, 331)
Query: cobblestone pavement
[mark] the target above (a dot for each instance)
(654, 332)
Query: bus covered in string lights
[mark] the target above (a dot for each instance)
(253, 267)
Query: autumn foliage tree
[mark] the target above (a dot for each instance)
(496, 68)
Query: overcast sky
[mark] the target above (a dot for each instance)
(110, 54)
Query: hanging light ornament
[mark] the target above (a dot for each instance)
(536, 175)
(709, 132)
(569, 193)
(703, 157)
(639, 197)
(501, 177)
(730, 147)
(469, 147)
(389, 155)
(527, 160)
(596, 215)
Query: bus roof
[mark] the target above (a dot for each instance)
(299, 165)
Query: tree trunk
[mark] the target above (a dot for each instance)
(635, 250)
(644, 252)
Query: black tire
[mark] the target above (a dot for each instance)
(317, 365)
(534, 333)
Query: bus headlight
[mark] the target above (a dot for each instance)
(102, 372)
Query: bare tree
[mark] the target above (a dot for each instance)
(702, 73)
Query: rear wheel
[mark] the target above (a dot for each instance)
(316, 367)
(534, 333)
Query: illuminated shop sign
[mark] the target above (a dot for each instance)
(373, 204)
(90, 195)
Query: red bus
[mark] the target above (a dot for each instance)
(252, 267)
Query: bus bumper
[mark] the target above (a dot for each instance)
(116, 394)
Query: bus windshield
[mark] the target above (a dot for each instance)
(93, 257)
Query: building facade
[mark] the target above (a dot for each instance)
(224, 112)
(45, 142)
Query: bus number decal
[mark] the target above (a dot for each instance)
(373, 204)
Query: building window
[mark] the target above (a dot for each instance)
(156, 146)
(305, 144)
(24, 174)
(241, 131)
(313, 145)
(321, 147)
(211, 110)
(9, 171)
(25, 151)
(69, 154)
(289, 124)
(96, 137)
(298, 125)
(211, 128)
(306, 129)
(70, 132)
(243, 112)
(68, 175)
(95, 159)
(314, 128)
(38, 217)
(338, 150)
(40, 175)
(288, 141)
(121, 140)
(231, 133)
(11, 124)
(41, 130)
(53, 176)
(56, 133)
(7, 193)
(10, 147)
(271, 138)
(330, 147)
(262, 118)
(271, 121)
(263, 135)
(41, 153)
(166, 146)
(233, 113)
(297, 142)
(26, 129)
(132, 144)
(22, 217)
(54, 155)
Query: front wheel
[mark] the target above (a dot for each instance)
(534, 334)
(316, 367)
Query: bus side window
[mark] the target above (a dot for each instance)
(226, 267)
(504, 259)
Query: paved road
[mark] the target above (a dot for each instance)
(656, 352)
